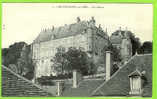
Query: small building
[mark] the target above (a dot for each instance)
(135, 83)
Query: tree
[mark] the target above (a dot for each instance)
(116, 54)
(145, 48)
(73, 59)
(135, 41)
(19, 55)
(78, 60)
(23, 61)
(114, 68)
(59, 60)
(11, 54)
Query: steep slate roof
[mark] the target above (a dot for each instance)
(63, 31)
(119, 84)
(14, 85)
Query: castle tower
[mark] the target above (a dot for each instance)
(126, 47)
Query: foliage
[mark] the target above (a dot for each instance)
(116, 57)
(145, 48)
(29, 75)
(76, 58)
(17, 58)
(48, 80)
(59, 60)
(45, 81)
(11, 54)
(114, 68)
(73, 59)
(135, 41)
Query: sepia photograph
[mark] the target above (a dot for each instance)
(77, 50)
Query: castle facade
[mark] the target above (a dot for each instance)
(82, 34)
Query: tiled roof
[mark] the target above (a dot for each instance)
(14, 85)
(119, 84)
(63, 31)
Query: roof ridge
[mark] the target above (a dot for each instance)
(70, 24)
(19, 76)
(112, 75)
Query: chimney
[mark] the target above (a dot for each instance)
(59, 87)
(78, 19)
(120, 31)
(108, 65)
(120, 28)
(100, 26)
(74, 79)
(77, 77)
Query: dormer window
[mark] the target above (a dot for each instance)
(135, 83)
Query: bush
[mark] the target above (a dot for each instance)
(48, 80)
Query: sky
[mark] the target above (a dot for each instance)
(24, 21)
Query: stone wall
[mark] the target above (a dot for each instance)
(44, 52)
